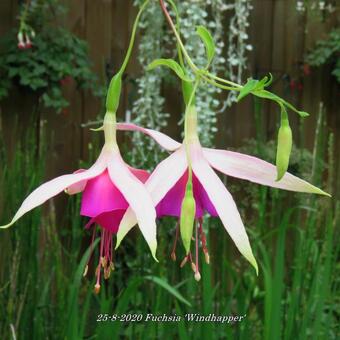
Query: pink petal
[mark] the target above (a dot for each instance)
(138, 198)
(77, 187)
(142, 175)
(109, 220)
(57, 185)
(171, 204)
(223, 202)
(163, 178)
(256, 170)
(163, 140)
(101, 195)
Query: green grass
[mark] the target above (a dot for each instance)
(294, 236)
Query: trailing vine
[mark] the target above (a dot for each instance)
(149, 107)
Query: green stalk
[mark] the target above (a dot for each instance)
(115, 87)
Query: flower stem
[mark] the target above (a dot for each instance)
(133, 37)
(115, 87)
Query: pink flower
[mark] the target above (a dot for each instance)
(21, 41)
(109, 187)
(167, 185)
(28, 42)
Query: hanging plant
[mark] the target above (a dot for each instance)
(42, 57)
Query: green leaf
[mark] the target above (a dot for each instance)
(250, 86)
(302, 114)
(268, 95)
(172, 64)
(164, 284)
(208, 42)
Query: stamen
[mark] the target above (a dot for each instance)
(107, 273)
(173, 253)
(97, 288)
(197, 273)
(207, 258)
(204, 242)
(86, 270)
(91, 251)
(193, 267)
(185, 260)
(105, 257)
(197, 276)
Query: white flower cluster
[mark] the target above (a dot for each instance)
(315, 5)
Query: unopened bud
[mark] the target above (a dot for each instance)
(188, 212)
(284, 146)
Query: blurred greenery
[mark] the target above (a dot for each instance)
(56, 58)
(327, 51)
(296, 295)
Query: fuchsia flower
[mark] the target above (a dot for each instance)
(167, 185)
(109, 187)
(24, 41)
(21, 41)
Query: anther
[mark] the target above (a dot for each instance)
(193, 267)
(207, 257)
(107, 273)
(173, 253)
(173, 256)
(97, 288)
(185, 260)
(86, 270)
(103, 261)
(197, 276)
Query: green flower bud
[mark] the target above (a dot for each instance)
(113, 94)
(284, 148)
(187, 219)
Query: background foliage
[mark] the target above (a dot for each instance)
(295, 236)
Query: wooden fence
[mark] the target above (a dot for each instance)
(280, 37)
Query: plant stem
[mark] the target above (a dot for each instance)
(133, 38)
(206, 75)
(178, 38)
